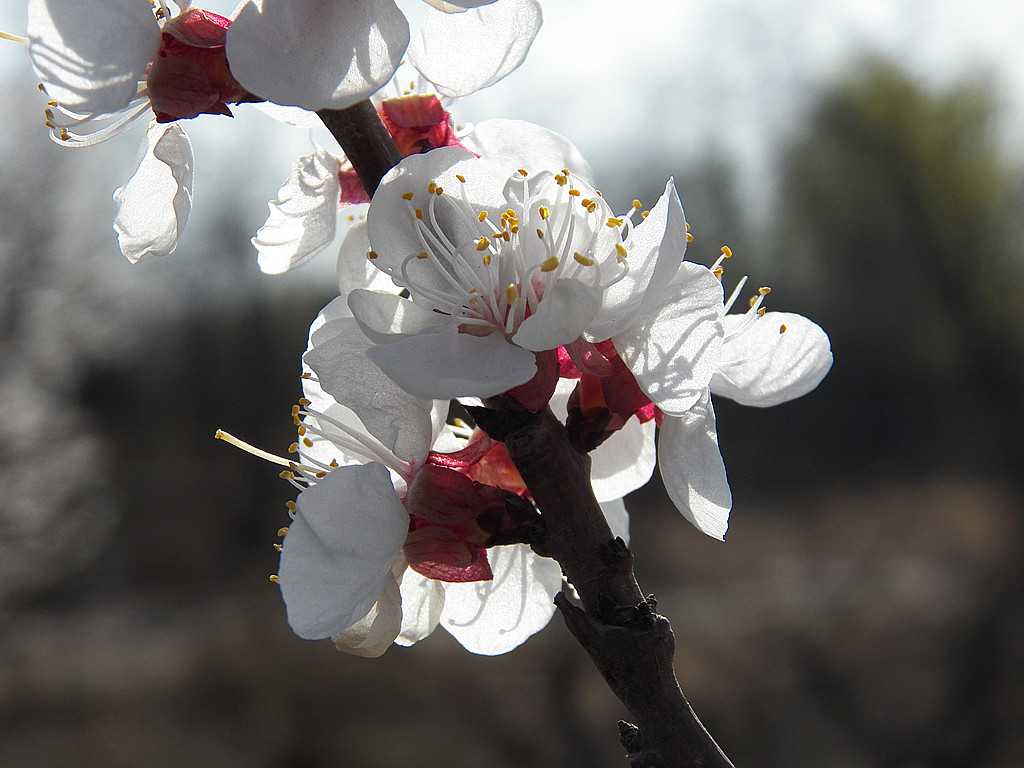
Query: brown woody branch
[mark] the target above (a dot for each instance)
(365, 140)
(631, 645)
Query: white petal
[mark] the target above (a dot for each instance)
(354, 269)
(762, 366)
(373, 634)
(623, 462)
(294, 116)
(462, 54)
(674, 350)
(564, 311)
(422, 601)
(493, 617)
(618, 518)
(400, 421)
(303, 217)
(530, 145)
(386, 317)
(337, 556)
(457, 6)
(91, 54)
(154, 206)
(444, 365)
(656, 249)
(693, 471)
(317, 54)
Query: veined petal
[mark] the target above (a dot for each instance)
(446, 365)
(674, 350)
(337, 556)
(92, 54)
(462, 54)
(303, 217)
(422, 601)
(386, 317)
(655, 251)
(776, 358)
(618, 518)
(493, 617)
(154, 206)
(566, 309)
(355, 271)
(317, 54)
(530, 145)
(693, 471)
(339, 359)
(373, 634)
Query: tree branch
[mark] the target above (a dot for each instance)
(631, 645)
(365, 140)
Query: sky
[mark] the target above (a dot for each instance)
(678, 78)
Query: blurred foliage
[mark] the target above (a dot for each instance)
(865, 611)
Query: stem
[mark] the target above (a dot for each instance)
(365, 140)
(631, 645)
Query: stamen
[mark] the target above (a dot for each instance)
(19, 39)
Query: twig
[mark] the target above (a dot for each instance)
(631, 645)
(365, 140)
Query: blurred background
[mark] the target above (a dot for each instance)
(863, 158)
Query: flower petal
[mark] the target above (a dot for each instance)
(449, 364)
(693, 471)
(386, 317)
(337, 556)
(355, 271)
(303, 217)
(493, 617)
(532, 146)
(317, 54)
(91, 54)
(373, 634)
(339, 359)
(457, 6)
(154, 206)
(566, 309)
(618, 518)
(674, 350)
(655, 250)
(462, 54)
(777, 358)
(422, 601)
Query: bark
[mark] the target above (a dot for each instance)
(365, 140)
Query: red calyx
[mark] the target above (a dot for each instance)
(190, 75)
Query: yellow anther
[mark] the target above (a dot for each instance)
(273, 578)
(482, 216)
(561, 180)
(285, 474)
(764, 290)
(613, 222)
(511, 292)
(689, 237)
(431, 188)
(687, 226)
(483, 243)
(419, 213)
(540, 233)
(41, 88)
(782, 328)
(422, 255)
(565, 171)
(461, 178)
(644, 214)
(64, 135)
(620, 249)
(293, 448)
(487, 259)
(333, 464)
(511, 214)
(586, 261)
(574, 192)
(408, 196)
(727, 251)
(439, 190)
(292, 506)
(371, 255)
(637, 205)
(307, 442)
(283, 530)
(278, 547)
(550, 264)
(718, 272)
(544, 212)
(302, 430)
(761, 311)
(295, 410)
(514, 228)
(523, 172)
(753, 300)
(304, 402)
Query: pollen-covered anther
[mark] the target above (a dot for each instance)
(637, 205)
(782, 328)
(544, 212)
(727, 251)
(689, 237)
(487, 259)
(644, 214)
(372, 255)
(419, 213)
(293, 448)
(283, 530)
(511, 292)
(620, 251)
(764, 290)
(278, 547)
(439, 190)
(483, 243)
(431, 187)
(305, 402)
(301, 430)
(718, 272)
(550, 264)
(461, 178)
(614, 222)
(273, 578)
(307, 442)
(573, 192)
(482, 216)
(523, 172)
(540, 233)
(286, 474)
(586, 261)
(422, 255)
(561, 180)
(407, 196)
